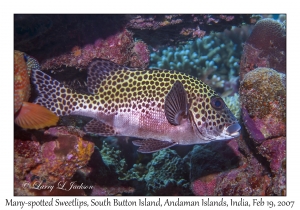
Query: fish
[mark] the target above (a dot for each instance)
(159, 108)
(28, 115)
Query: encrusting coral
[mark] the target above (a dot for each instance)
(119, 48)
(265, 47)
(49, 162)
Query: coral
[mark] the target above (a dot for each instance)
(265, 47)
(49, 35)
(165, 174)
(228, 172)
(138, 172)
(161, 29)
(263, 99)
(214, 58)
(166, 171)
(204, 185)
(27, 154)
(233, 104)
(274, 150)
(140, 55)
(53, 161)
(111, 158)
(119, 48)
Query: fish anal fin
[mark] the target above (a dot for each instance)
(152, 145)
(34, 116)
(100, 128)
(176, 104)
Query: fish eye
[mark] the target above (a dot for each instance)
(217, 102)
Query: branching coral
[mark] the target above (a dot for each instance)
(112, 159)
(213, 58)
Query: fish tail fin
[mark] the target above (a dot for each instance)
(53, 95)
(34, 116)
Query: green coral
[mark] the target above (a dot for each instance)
(112, 159)
(166, 169)
(200, 57)
(138, 172)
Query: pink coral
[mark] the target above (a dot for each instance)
(50, 162)
(204, 185)
(250, 177)
(140, 55)
(119, 48)
(265, 47)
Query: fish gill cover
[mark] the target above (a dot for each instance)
(127, 127)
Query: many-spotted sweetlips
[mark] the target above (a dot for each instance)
(162, 108)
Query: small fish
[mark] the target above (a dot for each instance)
(162, 108)
(28, 115)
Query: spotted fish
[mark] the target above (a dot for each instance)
(161, 108)
(28, 115)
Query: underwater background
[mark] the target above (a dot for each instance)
(242, 57)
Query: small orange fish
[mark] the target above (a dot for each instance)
(28, 115)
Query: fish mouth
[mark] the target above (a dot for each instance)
(233, 130)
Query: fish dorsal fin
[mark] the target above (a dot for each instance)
(152, 145)
(97, 71)
(176, 105)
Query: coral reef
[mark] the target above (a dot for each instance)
(252, 164)
(167, 174)
(274, 150)
(49, 35)
(111, 158)
(52, 161)
(265, 47)
(198, 56)
(263, 102)
(119, 48)
(214, 58)
(161, 29)
(229, 172)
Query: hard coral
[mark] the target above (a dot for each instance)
(228, 172)
(140, 55)
(166, 174)
(265, 47)
(111, 158)
(52, 161)
(274, 150)
(263, 99)
(119, 48)
(172, 29)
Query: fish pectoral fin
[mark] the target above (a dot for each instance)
(100, 128)
(34, 116)
(176, 104)
(152, 145)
